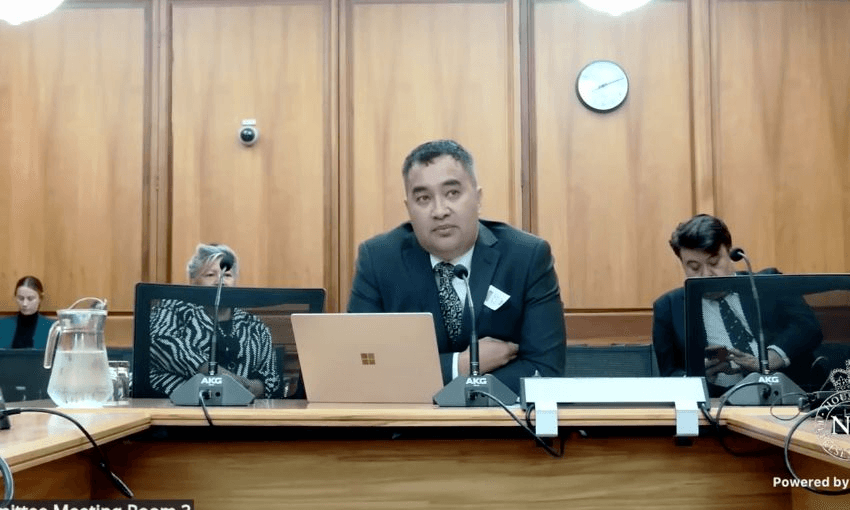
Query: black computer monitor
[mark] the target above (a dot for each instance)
(22, 374)
(809, 313)
(272, 307)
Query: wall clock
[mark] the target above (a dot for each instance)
(602, 86)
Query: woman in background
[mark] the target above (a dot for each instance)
(27, 329)
(181, 334)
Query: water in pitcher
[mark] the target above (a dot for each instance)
(82, 379)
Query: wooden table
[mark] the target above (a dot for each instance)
(40, 449)
(290, 454)
(812, 463)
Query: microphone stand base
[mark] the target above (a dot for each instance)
(460, 392)
(764, 390)
(216, 390)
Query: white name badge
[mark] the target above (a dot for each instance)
(495, 298)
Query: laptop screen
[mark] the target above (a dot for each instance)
(22, 374)
(173, 328)
(369, 358)
(808, 315)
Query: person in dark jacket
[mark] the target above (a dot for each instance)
(28, 328)
(791, 333)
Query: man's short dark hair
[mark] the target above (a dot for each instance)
(703, 232)
(429, 151)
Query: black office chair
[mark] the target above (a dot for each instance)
(120, 354)
(611, 361)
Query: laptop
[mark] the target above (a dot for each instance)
(22, 374)
(368, 358)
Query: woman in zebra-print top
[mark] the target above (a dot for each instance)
(181, 333)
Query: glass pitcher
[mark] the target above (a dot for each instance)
(76, 350)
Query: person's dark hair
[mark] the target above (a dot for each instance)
(30, 282)
(703, 232)
(429, 151)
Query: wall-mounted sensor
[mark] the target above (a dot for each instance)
(248, 133)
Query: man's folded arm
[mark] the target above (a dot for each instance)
(543, 336)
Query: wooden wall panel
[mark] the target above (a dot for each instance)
(610, 188)
(419, 71)
(740, 107)
(72, 98)
(156, 219)
(273, 202)
(702, 112)
(783, 131)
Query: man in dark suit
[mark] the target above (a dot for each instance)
(791, 330)
(515, 292)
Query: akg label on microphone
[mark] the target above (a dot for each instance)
(118, 504)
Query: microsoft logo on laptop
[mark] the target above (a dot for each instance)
(367, 358)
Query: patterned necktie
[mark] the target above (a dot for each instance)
(449, 301)
(738, 334)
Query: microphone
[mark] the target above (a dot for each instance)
(225, 264)
(213, 388)
(756, 388)
(466, 391)
(461, 272)
(737, 254)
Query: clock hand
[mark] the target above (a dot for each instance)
(608, 83)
